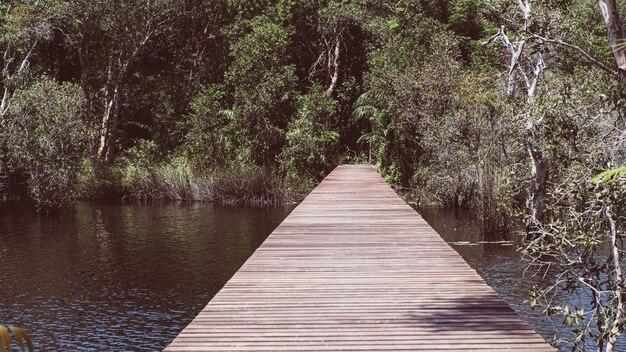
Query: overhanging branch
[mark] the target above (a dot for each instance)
(578, 49)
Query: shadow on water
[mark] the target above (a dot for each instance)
(108, 276)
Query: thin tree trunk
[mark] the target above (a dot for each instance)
(90, 120)
(116, 76)
(513, 66)
(113, 127)
(539, 181)
(4, 106)
(334, 65)
(618, 281)
(539, 178)
(7, 74)
(109, 126)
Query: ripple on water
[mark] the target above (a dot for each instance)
(109, 276)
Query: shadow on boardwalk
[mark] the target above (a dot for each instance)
(476, 313)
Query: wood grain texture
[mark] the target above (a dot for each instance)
(354, 268)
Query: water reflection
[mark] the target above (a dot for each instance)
(108, 276)
(497, 259)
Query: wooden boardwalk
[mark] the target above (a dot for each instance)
(354, 268)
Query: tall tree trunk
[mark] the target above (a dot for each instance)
(90, 120)
(117, 71)
(615, 29)
(106, 149)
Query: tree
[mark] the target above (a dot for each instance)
(210, 142)
(312, 142)
(26, 25)
(584, 251)
(412, 72)
(108, 40)
(526, 59)
(334, 21)
(262, 83)
(568, 224)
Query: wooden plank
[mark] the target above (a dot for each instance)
(354, 268)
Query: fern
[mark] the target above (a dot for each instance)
(610, 174)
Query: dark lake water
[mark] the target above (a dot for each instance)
(111, 277)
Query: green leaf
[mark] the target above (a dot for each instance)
(368, 137)
(364, 111)
(333, 135)
(229, 114)
(363, 99)
(393, 23)
(609, 174)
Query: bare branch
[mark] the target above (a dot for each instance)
(25, 61)
(582, 52)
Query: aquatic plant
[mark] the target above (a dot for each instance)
(20, 336)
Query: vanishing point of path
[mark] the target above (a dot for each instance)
(354, 268)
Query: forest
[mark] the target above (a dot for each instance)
(515, 110)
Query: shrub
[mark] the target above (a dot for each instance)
(311, 142)
(210, 141)
(46, 139)
(263, 84)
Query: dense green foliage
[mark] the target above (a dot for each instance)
(48, 139)
(508, 108)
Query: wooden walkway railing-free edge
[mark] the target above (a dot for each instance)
(354, 268)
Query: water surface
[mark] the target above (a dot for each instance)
(106, 277)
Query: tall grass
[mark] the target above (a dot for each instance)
(248, 185)
(165, 182)
(234, 185)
